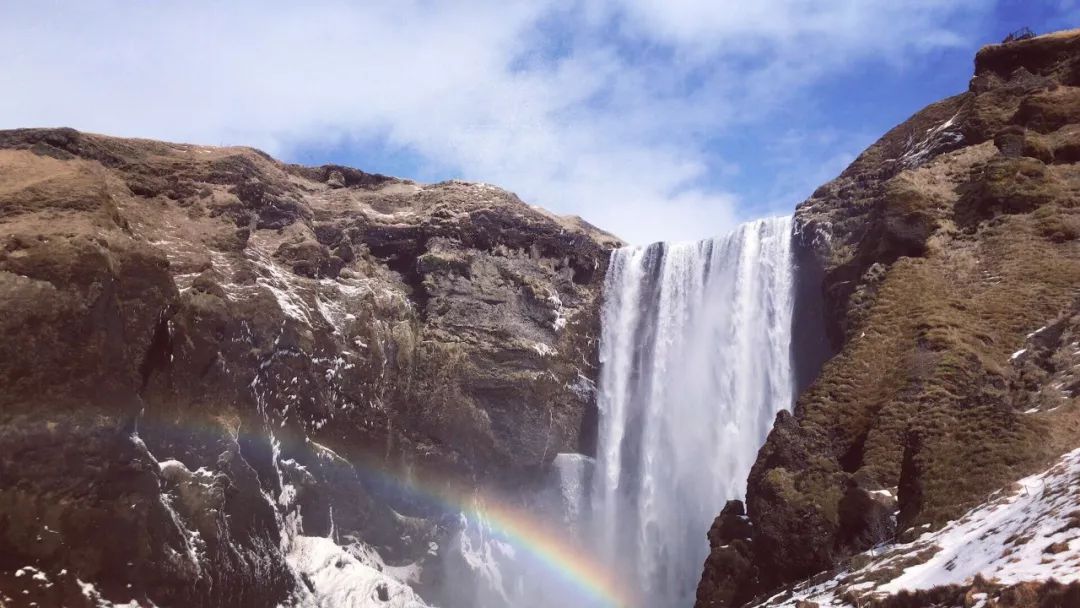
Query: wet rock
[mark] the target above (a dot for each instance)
(729, 577)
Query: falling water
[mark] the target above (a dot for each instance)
(695, 364)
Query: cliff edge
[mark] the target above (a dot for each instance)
(208, 354)
(949, 258)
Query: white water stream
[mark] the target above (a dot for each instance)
(696, 361)
(695, 364)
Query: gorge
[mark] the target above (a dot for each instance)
(232, 381)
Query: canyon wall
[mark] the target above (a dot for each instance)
(207, 352)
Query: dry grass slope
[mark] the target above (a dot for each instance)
(947, 247)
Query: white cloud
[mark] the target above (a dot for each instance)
(595, 107)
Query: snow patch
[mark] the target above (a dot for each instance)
(340, 580)
(1031, 532)
(583, 387)
(936, 138)
(280, 284)
(544, 350)
(173, 466)
(560, 319)
(91, 593)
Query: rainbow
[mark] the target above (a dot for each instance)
(569, 561)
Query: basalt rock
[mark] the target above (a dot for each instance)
(948, 267)
(207, 352)
(730, 574)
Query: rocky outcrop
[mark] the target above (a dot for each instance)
(207, 353)
(729, 559)
(949, 260)
(1022, 536)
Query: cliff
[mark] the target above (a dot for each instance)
(949, 261)
(209, 356)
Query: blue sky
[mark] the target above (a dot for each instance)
(652, 119)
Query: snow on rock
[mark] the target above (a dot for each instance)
(338, 579)
(1029, 532)
(886, 494)
(560, 319)
(95, 598)
(583, 387)
(942, 137)
(171, 465)
(281, 285)
(544, 350)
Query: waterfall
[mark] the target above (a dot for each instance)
(696, 360)
(695, 363)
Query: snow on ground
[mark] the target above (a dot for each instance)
(337, 579)
(1029, 532)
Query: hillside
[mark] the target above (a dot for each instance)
(232, 381)
(950, 262)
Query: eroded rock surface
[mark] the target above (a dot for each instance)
(950, 262)
(206, 351)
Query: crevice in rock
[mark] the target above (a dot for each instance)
(159, 354)
(852, 459)
(810, 346)
(256, 451)
(584, 273)
(909, 490)
(399, 251)
(590, 429)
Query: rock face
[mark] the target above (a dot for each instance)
(207, 352)
(1022, 536)
(949, 261)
